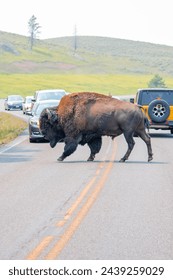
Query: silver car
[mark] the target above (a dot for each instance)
(13, 102)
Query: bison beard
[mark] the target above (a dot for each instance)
(83, 118)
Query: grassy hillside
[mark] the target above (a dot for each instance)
(106, 65)
(94, 55)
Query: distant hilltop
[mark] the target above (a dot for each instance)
(83, 55)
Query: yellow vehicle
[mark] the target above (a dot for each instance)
(158, 106)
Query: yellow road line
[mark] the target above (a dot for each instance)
(77, 202)
(83, 193)
(80, 198)
(47, 240)
(37, 251)
(56, 250)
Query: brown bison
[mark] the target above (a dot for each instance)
(83, 118)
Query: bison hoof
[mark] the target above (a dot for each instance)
(122, 160)
(90, 159)
(60, 159)
(150, 158)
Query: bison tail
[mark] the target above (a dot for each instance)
(146, 123)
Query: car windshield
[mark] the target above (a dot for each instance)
(15, 98)
(148, 96)
(28, 100)
(55, 95)
(39, 108)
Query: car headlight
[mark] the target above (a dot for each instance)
(34, 122)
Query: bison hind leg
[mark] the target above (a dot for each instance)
(146, 138)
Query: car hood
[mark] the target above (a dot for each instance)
(15, 102)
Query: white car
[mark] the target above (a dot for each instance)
(26, 106)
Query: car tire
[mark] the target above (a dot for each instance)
(158, 110)
(31, 140)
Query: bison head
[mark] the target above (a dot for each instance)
(50, 127)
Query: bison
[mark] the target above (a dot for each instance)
(84, 117)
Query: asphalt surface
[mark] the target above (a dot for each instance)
(86, 210)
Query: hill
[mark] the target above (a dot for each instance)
(94, 55)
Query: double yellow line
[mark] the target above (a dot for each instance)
(61, 243)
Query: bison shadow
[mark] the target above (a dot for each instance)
(16, 158)
(114, 161)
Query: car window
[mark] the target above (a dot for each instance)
(147, 96)
(28, 100)
(51, 95)
(15, 98)
(39, 108)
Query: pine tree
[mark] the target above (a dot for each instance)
(157, 82)
(34, 27)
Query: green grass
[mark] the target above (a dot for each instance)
(27, 84)
(10, 128)
(100, 64)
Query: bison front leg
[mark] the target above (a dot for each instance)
(95, 146)
(70, 146)
(130, 141)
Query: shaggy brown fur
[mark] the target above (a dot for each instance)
(85, 117)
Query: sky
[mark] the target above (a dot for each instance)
(138, 20)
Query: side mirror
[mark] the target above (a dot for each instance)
(132, 100)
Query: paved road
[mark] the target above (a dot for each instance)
(86, 210)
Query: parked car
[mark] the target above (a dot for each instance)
(34, 132)
(13, 102)
(48, 94)
(157, 104)
(26, 106)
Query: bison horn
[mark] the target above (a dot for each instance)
(48, 113)
(52, 116)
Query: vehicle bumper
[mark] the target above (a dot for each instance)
(14, 107)
(164, 126)
(34, 133)
(27, 111)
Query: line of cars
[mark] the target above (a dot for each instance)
(33, 106)
(17, 102)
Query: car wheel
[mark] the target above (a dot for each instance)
(158, 110)
(31, 140)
